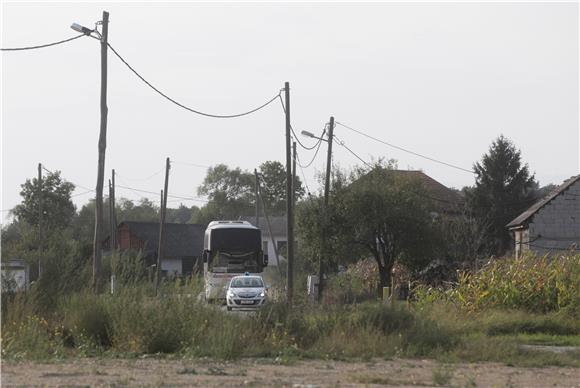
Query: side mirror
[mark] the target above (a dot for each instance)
(265, 260)
(205, 256)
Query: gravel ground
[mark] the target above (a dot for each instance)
(270, 373)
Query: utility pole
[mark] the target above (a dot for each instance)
(256, 190)
(160, 249)
(39, 219)
(323, 242)
(289, 209)
(114, 207)
(97, 249)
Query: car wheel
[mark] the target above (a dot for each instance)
(229, 308)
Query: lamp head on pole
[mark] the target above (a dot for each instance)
(77, 27)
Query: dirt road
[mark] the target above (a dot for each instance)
(271, 373)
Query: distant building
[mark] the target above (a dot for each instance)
(443, 200)
(15, 275)
(551, 224)
(279, 236)
(183, 244)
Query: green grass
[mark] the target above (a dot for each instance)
(133, 323)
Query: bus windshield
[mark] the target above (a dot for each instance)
(235, 250)
(236, 240)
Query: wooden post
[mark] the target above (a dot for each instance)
(39, 219)
(97, 249)
(323, 243)
(289, 210)
(256, 189)
(160, 248)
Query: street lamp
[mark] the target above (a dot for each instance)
(323, 245)
(102, 145)
(82, 29)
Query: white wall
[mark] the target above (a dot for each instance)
(172, 266)
(271, 253)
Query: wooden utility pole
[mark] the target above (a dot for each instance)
(256, 190)
(272, 240)
(323, 243)
(289, 209)
(111, 227)
(160, 249)
(97, 249)
(114, 213)
(39, 219)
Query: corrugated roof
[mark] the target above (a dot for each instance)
(180, 239)
(525, 217)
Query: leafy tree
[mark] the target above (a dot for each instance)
(181, 215)
(376, 213)
(231, 192)
(274, 182)
(55, 197)
(503, 189)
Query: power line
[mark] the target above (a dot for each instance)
(190, 164)
(303, 175)
(43, 45)
(294, 133)
(313, 158)
(405, 150)
(341, 143)
(169, 195)
(186, 107)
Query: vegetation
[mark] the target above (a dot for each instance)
(534, 284)
(503, 189)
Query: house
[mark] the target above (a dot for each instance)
(278, 236)
(15, 275)
(183, 244)
(551, 224)
(443, 199)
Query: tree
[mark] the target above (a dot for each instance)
(378, 213)
(231, 192)
(55, 196)
(503, 189)
(274, 182)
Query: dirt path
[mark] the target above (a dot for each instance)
(269, 373)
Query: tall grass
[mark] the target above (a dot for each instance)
(535, 284)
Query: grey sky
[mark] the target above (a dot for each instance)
(440, 79)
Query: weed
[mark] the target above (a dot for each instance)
(442, 375)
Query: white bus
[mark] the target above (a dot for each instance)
(230, 248)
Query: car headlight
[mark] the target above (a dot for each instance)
(262, 294)
(231, 294)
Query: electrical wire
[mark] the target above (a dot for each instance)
(313, 158)
(303, 175)
(405, 150)
(184, 106)
(43, 45)
(294, 133)
(168, 195)
(190, 164)
(341, 143)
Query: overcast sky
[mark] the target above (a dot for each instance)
(442, 80)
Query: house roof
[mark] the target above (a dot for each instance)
(527, 215)
(278, 224)
(181, 240)
(444, 197)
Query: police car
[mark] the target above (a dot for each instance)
(246, 292)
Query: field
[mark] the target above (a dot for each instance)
(273, 373)
(486, 331)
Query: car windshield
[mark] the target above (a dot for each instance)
(246, 282)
